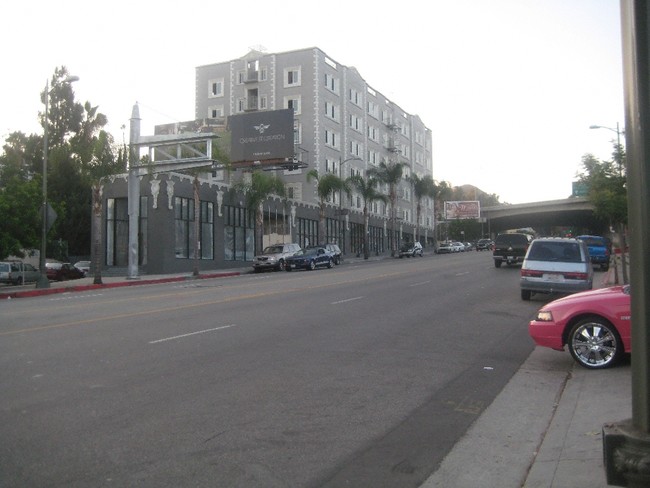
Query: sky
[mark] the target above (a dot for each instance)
(509, 88)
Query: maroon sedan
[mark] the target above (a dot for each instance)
(594, 324)
(62, 271)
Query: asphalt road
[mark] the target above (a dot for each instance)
(364, 375)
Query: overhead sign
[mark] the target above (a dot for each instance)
(261, 136)
(469, 209)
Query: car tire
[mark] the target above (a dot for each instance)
(595, 343)
(19, 281)
(312, 265)
(281, 265)
(497, 264)
(287, 268)
(330, 264)
(525, 295)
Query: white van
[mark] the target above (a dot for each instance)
(556, 265)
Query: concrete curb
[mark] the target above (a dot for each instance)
(116, 284)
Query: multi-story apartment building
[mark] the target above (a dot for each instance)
(342, 124)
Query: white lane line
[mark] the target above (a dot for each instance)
(421, 283)
(190, 334)
(462, 274)
(347, 300)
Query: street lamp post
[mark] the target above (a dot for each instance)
(341, 231)
(43, 282)
(618, 142)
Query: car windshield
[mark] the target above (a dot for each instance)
(273, 250)
(593, 241)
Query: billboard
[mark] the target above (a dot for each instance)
(469, 209)
(261, 136)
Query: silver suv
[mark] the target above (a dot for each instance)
(273, 257)
(556, 265)
(17, 272)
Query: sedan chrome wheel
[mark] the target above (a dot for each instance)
(594, 343)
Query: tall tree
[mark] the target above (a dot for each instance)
(390, 174)
(367, 189)
(256, 190)
(423, 187)
(607, 189)
(326, 186)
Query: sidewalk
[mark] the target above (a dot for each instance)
(544, 430)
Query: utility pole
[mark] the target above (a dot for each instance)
(626, 444)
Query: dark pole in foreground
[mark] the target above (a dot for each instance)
(627, 444)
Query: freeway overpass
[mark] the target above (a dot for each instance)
(575, 212)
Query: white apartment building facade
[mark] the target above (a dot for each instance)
(342, 124)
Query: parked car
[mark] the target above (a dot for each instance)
(595, 325)
(62, 271)
(17, 272)
(598, 250)
(556, 265)
(83, 266)
(410, 249)
(510, 248)
(274, 257)
(309, 259)
(335, 250)
(445, 248)
(484, 245)
(458, 246)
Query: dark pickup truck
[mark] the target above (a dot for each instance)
(510, 248)
(598, 250)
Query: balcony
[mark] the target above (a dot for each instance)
(252, 76)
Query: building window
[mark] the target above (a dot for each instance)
(373, 133)
(241, 104)
(263, 74)
(356, 123)
(263, 103)
(331, 83)
(292, 77)
(373, 109)
(355, 97)
(215, 112)
(184, 222)
(297, 133)
(238, 234)
(183, 225)
(216, 88)
(293, 103)
(206, 236)
(331, 139)
(241, 77)
(332, 111)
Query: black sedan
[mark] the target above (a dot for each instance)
(309, 259)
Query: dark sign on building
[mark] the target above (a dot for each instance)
(261, 136)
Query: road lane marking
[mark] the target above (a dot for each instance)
(176, 308)
(421, 283)
(190, 334)
(347, 300)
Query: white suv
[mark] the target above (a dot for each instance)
(273, 257)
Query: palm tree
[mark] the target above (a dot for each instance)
(94, 148)
(257, 190)
(327, 185)
(367, 189)
(391, 174)
(422, 187)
